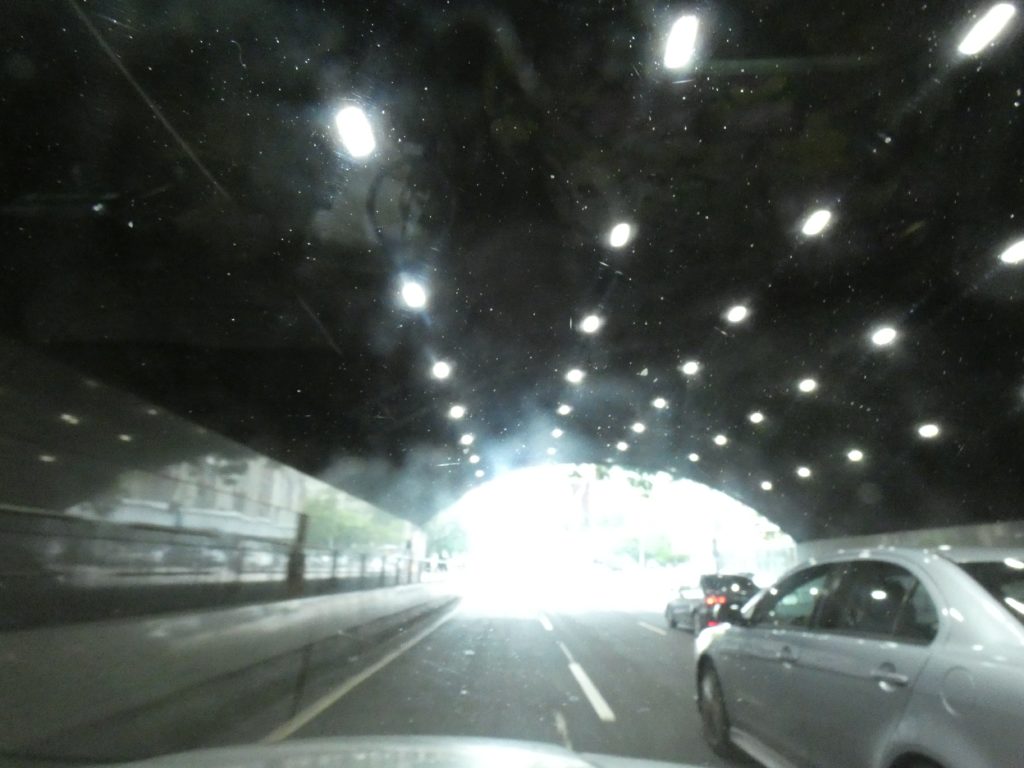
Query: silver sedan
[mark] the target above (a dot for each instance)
(885, 658)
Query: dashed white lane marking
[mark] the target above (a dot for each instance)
(563, 729)
(566, 652)
(545, 622)
(652, 628)
(604, 712)
(317, 708)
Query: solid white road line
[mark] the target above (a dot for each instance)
(566, 652)
(652, 628)
(286, 729)
(604, 712)
(563, 729)
(545, 622)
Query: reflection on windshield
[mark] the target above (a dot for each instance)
(630, 380)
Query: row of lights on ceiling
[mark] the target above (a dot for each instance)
(356, 135)
(681, 44)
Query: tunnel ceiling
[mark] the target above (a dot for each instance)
(182, 216)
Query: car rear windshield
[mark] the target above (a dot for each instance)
(733, 584)
(1004, 579)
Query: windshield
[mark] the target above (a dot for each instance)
(1004, 580)
(446, 368)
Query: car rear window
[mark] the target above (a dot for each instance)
(733, 584)
(1004, 579)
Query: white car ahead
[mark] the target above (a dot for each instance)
(885, 658)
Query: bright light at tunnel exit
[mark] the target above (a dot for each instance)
(597, 538)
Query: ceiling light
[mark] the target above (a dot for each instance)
(737, 314)
(552, 451)
(152, 411)
(474, 459)
(928, 431)
(855, 454)
(694, 457)
(441, 370)
(1013, 562)
(803, 472)
(682, 42)
(590, 324)
(986, 29)
(575, 376)
(659, 403)
(564, 410)
(356, 133)
(690, 368)
(807, 385)
(68, 418)
(884, 336)
(766, 485)
(1014, 254)
(620, 235)
(622, 445)
(479, 473)
(556, 433)
(721, 439)
(124, 438)
(456, 411)
(639, 428)
(47, 458)
(466, 439)
(815, 223)
(414, 295)
(756, 417)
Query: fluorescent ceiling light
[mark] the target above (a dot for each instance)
(681, 45)
(356, 133)
(986, 29)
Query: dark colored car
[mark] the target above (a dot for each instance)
(696, 606)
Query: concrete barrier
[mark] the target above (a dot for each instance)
(1006, 534)
(54, 679)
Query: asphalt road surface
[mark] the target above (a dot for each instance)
(616, 682)
(606, 682)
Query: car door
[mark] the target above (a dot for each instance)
(857, 669)
(761, 656)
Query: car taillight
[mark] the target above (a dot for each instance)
(714, 600)
(712, 623)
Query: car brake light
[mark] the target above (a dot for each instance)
(712, 623)
(714, 600)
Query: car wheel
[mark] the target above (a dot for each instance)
(713, 714)
(671, 619)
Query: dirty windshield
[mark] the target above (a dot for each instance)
(446, 376)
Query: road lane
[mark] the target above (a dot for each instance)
(630, 692)
(648, 679)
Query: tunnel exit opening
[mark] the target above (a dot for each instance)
(589, 536)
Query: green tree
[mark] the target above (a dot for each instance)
(342, 523)
(446, 536)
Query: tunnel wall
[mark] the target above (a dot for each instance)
(1006, 534)
(113, 507)
(57, 679)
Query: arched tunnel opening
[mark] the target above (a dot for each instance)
(582, 537)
